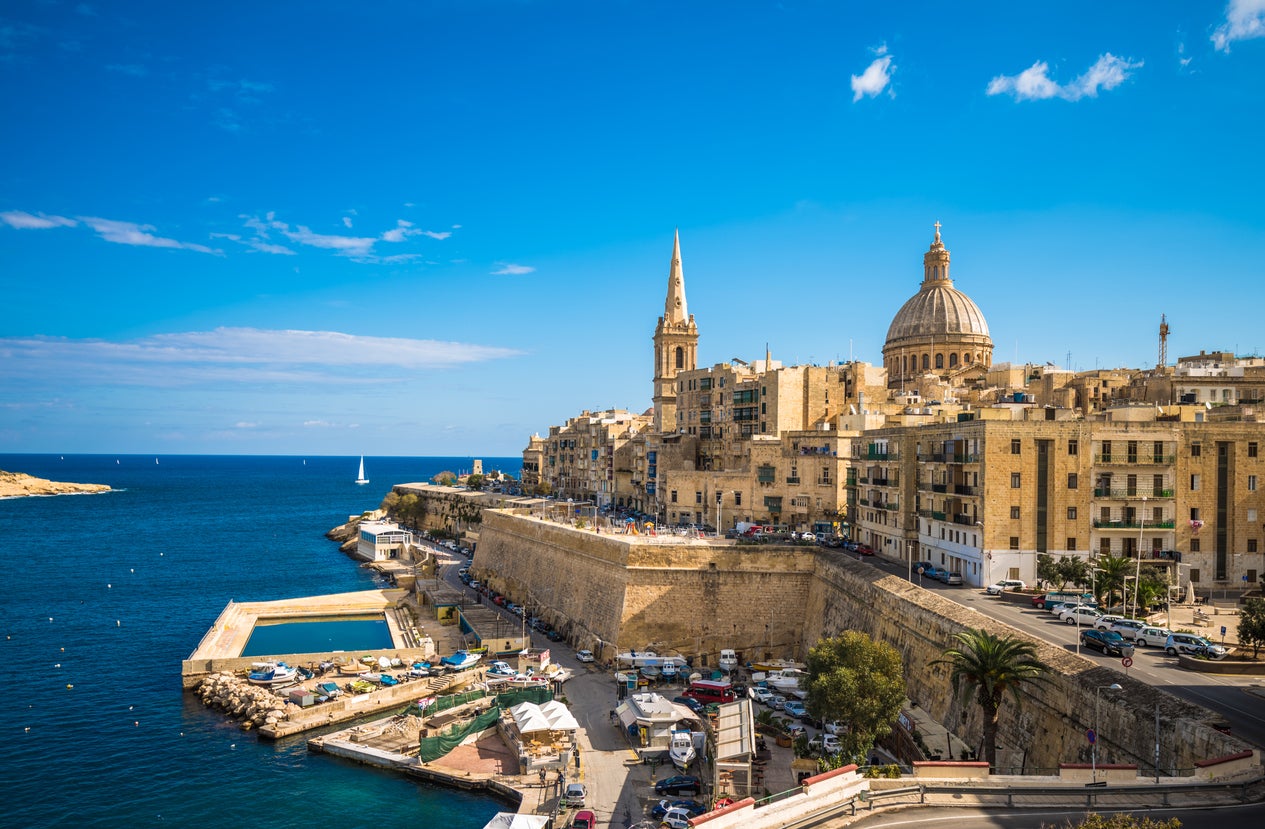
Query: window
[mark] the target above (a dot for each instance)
(1251, 449)
(1194, 483)
(737, 499)
(1073, 446)
(680, 357)
(1194, 574)
(1014, 480)
(1251, 483)
(1194, 513)
(673, 496)
(1071, 513)
(1015, 446)
(698, 497)
(1071, 544)
(1251, 545)
(1251, 516)
(1071, 480)
(1194, 548)
(1014, 542)
(1195, 450)
(1014, 512)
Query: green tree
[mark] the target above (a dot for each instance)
(1073, 570)
(444, 478)
(1252, 625)
(1109, 582)
(859, 682)
(1048, 569)
(991, 666)
(1122, 820)
(475, 481)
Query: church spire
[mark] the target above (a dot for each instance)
(674, 310)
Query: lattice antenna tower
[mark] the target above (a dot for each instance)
(1163, 341)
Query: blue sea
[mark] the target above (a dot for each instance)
(103, 595)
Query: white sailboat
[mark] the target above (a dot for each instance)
(360, 478)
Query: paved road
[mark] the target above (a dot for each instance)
(1238, 699)
(1252, 814)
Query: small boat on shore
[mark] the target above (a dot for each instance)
(329, 690)
(271, 673)
(682, 749)
(728, 660)
(460, 660)
(775, 665)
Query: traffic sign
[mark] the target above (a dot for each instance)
(1223, 630)
(1127, 662)
(1091, 736)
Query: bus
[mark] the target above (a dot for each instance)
(711, 690)
(1062, 597)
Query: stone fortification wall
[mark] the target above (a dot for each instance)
(615, 592)
(1049, 727)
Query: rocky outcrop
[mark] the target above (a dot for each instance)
(251, 705)
(17, 485)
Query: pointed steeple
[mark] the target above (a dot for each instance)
(674, 310)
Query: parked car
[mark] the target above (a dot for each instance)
(1079, 614)
(951, 579)
(678, 784)
(933, 572)
(554, 636)
(864, 550)
(585, 655)
(573, 795)
(1151, 637)
(835, 727)
(795, 730)
(692, 807)
(1128, 628)
(795, 708)
(1107, 641)
(925, 566)
(760, 695)
(825, 743)
(584, 819)
(690, 703)
(1192, 645)
(1055, 608)
(777, 701)
(676, 819)
(1106, 620)
(1004, 586)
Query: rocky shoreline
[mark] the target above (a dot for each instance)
(18, 485)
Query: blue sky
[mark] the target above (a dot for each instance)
(437, 227)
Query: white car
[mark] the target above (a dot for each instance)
(1107, 620)
(676, 818)
(573, 795)
(1005, 586)
(1080, 614)
(836, 727)
(1150, 637)
(584, 655)
(1128, 628)
(759, 694)
(826, 743)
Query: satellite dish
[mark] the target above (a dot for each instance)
(1208, 404)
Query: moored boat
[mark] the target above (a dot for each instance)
(271, 673)
(682, 750)
(460, 660)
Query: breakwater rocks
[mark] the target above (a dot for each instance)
(251, 705)
(17, 485)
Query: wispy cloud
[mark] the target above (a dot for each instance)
(136, 70)
(510, 269)
(130, 233)
(876, 77)
(1034, 83)
(1244, 20)
(29, 221)
(233, 355)
(359, 248)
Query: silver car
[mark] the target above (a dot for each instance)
(1150, 637)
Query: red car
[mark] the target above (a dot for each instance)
(865, 550)
(584, 819)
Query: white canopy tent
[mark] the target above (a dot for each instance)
(510, 820)
(528, 718)
(559, 716)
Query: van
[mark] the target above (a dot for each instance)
(1054, 597)
(711, 690)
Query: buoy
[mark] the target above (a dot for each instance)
(117, 623)
(69, 686)
(136, 722)
(63, 650)
(28, 729)
(58, 665)
(50, 618)
(133, 569)
(108, 585)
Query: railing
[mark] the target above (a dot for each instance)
(874, 455)
(1126, 492)
(937, 457)
(826, 481)
(1112, 457)
(939, 487)
(1133, 525)
(880, 481)
(865, 502)
(963, 489)
(792, 480)
(965, 457)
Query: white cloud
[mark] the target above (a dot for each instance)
(347, 222)
(136, 70)
(1034, 83)
(1244, 20)
(27, 221)
(359, 248)
(438, 234)
(269, 247)
(232, 355)
(510, 269)
(875, 78)
(245, 424)
(129, 233)
(401, 232)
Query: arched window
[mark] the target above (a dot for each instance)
(953, 360)
(680, 357)
(904, 365)
(967, 357)
(926, 362)
(939, 361)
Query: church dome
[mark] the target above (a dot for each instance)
(937, 310)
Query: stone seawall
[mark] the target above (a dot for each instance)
(619, 592)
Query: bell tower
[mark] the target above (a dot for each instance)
(675, 344)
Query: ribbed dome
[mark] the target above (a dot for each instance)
(936, 310)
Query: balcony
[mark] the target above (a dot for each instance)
(964, 519)
(880, 481)
(1140, 460)
(826, 481)
(932, 514)
(963, 489)
(875, 455)
(1099, 524)
(939, 487)
(936, 457)
(865, 502)
(965, 457)
(794, 481)
(1126, 492)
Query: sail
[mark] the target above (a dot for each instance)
(360, 478)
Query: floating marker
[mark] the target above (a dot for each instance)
(63, 650)
(136, 723)
(50, 618)
(108, 585)
(117, 623)
(133, 569)
(69, 686)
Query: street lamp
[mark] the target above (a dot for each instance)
(1115, 686)
(988, 557)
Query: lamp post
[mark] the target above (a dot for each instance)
(988, 557)
(720, 526)
(1115, 686)
(909, 556)
(1137, 577)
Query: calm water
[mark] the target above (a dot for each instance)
(318, 636)
(107, 593)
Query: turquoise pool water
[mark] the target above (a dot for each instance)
(348, 633)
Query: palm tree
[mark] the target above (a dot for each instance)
(992, 665)
(1109, 580)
